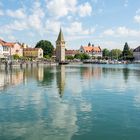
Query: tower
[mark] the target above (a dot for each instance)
(60, 47)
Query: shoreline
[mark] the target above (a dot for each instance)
(37, 64)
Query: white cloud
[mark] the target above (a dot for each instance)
(22, 20)
(53, 26)
(111, 44)
(122, 32)
(137, 18)
(19, 13)
(1, 13)
(11, 38)
(85, 9)
(61, 8)
(35, 19)
(108, 32)
(76, 28)
(18, 25)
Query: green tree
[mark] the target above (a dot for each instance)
(116, 53)
(127, 53)
(47, 47)
(47, 56)
(69, 57)
(85, 56)
(89, 44)
(15, 56)
(106, 53)
(78, 56)
(82, 56)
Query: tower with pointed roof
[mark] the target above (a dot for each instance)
(60, 47)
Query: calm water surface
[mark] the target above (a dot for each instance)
(73, 102)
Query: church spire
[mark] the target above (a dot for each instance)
(60, 47)
(60, 36)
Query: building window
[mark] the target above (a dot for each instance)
(5, 48)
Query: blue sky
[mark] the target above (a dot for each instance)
(107, 23)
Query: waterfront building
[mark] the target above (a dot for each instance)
(1, 51)
(60, 47)
(33, 52)
(91, 50)
(8, 49)
(5, 49)
(136, 54)
(71, 52)
(16, 49)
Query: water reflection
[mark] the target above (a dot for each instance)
(46, 76)
(91, 72)
(32, 109)
(9, 78)
(60, 79)
(126, 72)
(34, 73)
(13, 77)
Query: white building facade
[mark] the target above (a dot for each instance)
(136, 54)
(91, 50)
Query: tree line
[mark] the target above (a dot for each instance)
(126, 54)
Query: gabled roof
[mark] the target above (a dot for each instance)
(71, 52)
(137, 49)
(60, 36)
(2, 42)
(8, 44)
(91, 48)
(31, 49)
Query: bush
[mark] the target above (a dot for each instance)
(69, 57)
(15, 56)
(82, 56)
(47, 57)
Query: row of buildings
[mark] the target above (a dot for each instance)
(61, 52)
(91, 50)
(9, 49)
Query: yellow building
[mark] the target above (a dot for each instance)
(33, 52)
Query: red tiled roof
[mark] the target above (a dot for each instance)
(71, 52)
(31, 49)
(8, 44)
(2, 42)
(91, 48)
